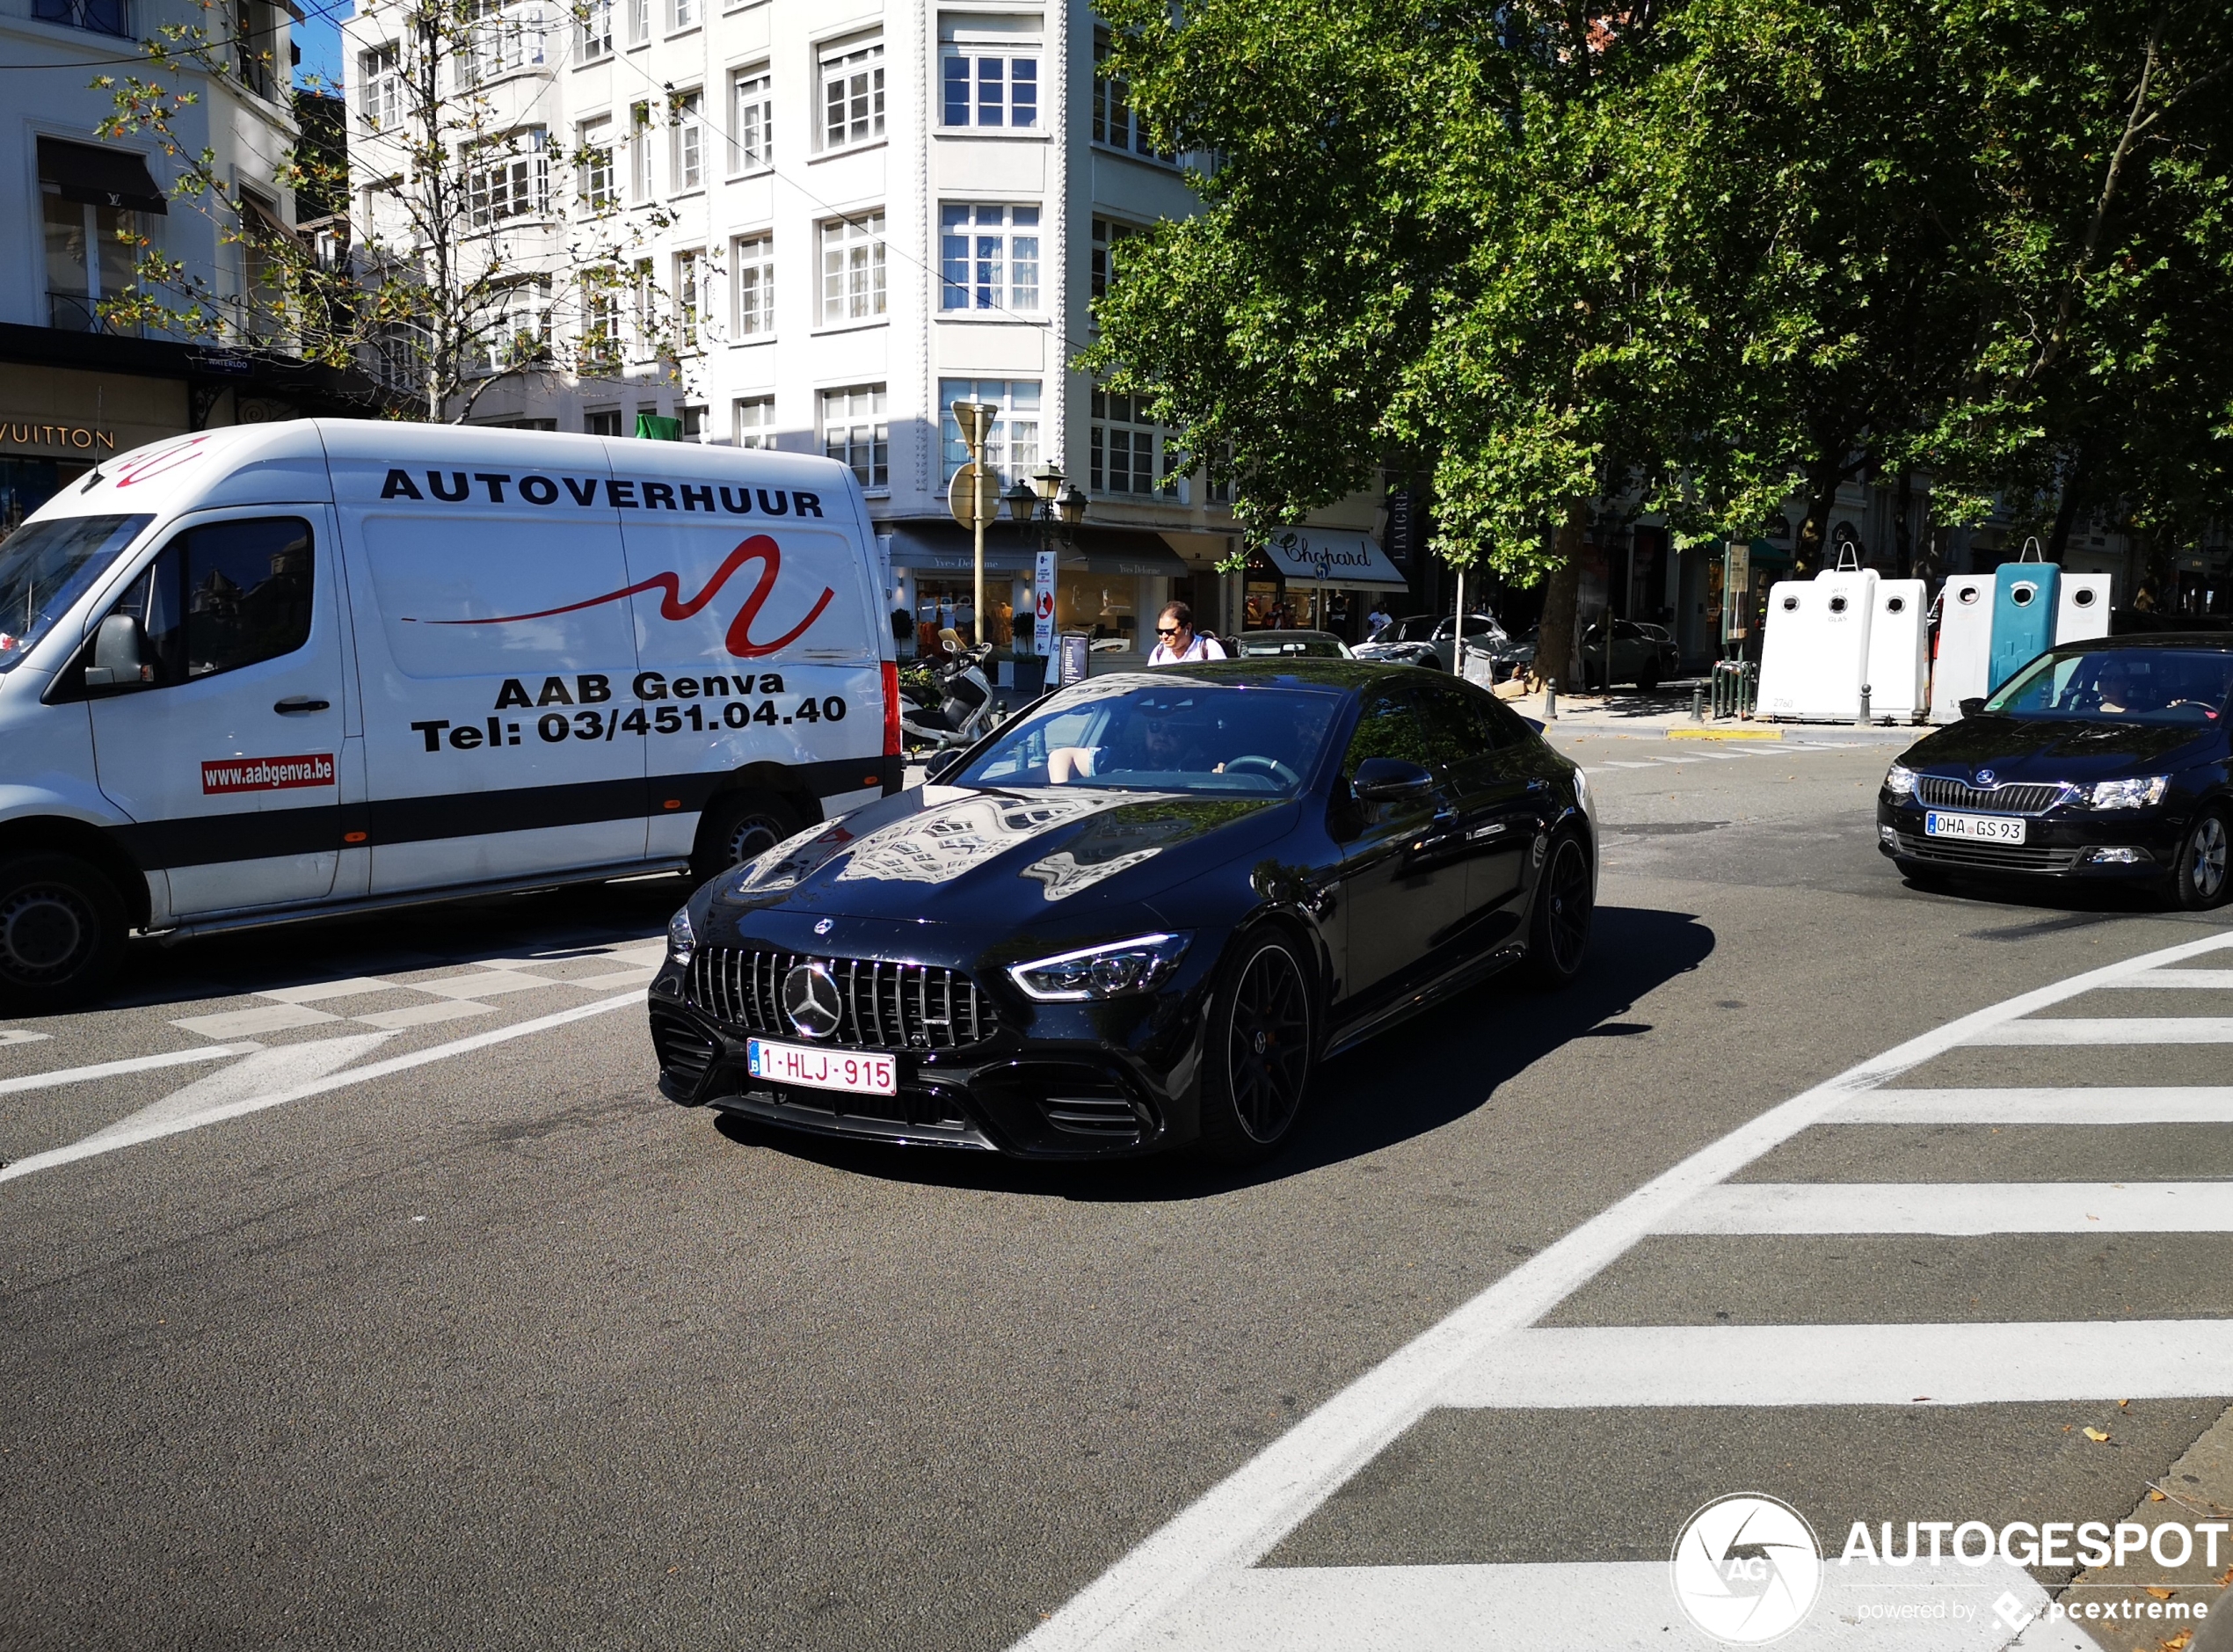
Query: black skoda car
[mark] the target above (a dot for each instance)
(2100, 760)
(1135, 917)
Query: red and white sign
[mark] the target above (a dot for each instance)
(266, 774)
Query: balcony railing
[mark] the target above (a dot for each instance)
(102, 17)
(75, 312)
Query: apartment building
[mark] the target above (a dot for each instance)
(74, 387)
(862, 211)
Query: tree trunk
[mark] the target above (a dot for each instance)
(1903, 535)
(2066, 508)
(1555, 639)
(1811, 554)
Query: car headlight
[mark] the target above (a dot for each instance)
(1139, 965)
(2131, 794)
(1581, 790)
(681, 939)
(1899, 780)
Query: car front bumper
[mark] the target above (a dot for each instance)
(2124, 844)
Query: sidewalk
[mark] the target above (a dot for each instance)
(1666, 710)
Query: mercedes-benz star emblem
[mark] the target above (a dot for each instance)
(811, 1000)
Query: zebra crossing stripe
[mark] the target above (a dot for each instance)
(1237, 1521)
(1847, 1364)
(1966, 1209)
(2191, 980)
(2110, 1104)
(2081, 1030)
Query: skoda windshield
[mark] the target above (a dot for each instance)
(2122, 685)
(46, 566)
(1137, 732)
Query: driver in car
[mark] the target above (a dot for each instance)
(1150, 745)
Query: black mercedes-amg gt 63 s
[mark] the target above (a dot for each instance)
(1135, 917)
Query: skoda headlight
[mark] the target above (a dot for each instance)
(681, 939)
(1139, 965)
(2131, 794)
(1899, 780)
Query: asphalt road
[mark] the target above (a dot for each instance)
(497, 1348)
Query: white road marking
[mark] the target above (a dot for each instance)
(424, 1015)
(2191, 980)
(1848, 1365)
(246, 1024)
(354, 987)
(2077, 1029)
(22, 1035)
(485, 984)
(1958, 1208)
(1237, 1521)
(2136, 1105)
(266, 1073)
(356, 1075)
(1599, 1604)
(116, 1069)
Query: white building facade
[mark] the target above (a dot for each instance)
(873, 208)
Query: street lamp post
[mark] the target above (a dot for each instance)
(976, 421)
(1047, 503)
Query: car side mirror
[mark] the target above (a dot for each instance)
(1534, 723)
(1388, 779)
(1972, 705)
(939, 763)
(119, 654)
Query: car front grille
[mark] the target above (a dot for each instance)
(1940, 792)
(1997, 857)
(888, 1006)
(684, 1052)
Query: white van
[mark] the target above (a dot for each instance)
(279, 671)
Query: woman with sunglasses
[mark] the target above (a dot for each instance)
(1175, 641)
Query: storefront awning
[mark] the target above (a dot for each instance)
(97, 176)
(1350, 562)
(932, 547)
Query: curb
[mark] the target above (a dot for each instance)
(1725, 734)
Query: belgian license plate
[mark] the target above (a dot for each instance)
(1974, 828)
(859, 1072)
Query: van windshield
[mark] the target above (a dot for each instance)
(46, 566)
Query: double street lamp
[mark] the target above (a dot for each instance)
(1047, 501)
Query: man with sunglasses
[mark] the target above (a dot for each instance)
(1175, 641)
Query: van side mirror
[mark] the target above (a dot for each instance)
(1972, 705)
(1388, 779)
(119, 654)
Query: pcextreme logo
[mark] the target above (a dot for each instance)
(1746, 1569)
(760, 548)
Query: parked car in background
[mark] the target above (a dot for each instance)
(1431, 639)
(1289, 645)
(1622, 650)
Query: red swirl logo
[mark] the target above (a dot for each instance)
(146, 467)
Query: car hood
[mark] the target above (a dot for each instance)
(2058, 748)
(962, 855)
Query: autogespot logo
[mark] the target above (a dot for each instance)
(1746, 1569)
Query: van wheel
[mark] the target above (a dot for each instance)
(62, 932)
(735, 827)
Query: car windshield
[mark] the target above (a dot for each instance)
(46, 566)
(2119, 685)
(1139, 733)
(1271, 644)
(1420, 627)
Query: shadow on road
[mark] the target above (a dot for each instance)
(1428, 1072)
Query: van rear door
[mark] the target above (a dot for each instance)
(222, 741)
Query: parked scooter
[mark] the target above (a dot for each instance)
(963, 711)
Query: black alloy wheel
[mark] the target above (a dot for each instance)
(1261, 1048)
(739, 826)
(62, 932)
(2203, 878)
(1565, 903)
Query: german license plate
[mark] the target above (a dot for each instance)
(861, 1073)
(1974, 828)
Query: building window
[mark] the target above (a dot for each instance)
(602, 421)
(1123, 445)
(988, 258)
(754, 259)
(508, 178)
(854, 431)
(379, 81)
(518, 329)
(1107, 233)
(87, 261)
(686, 14)
(1115, 122)
(689, 141)
(101, 17)
(593, 30)
(756, 422)
(1012, 446)
(644, 289)
(498, 40)
(989, 86)
(599, 188)
(639, 159)
(689, 269)
(852, 95)
(639, 22)
(601, 319)
(694, 422)
(751, 133)
(852, 268)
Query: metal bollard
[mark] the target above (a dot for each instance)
(1865, 716)
(1698, 702)
(1551, 699)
